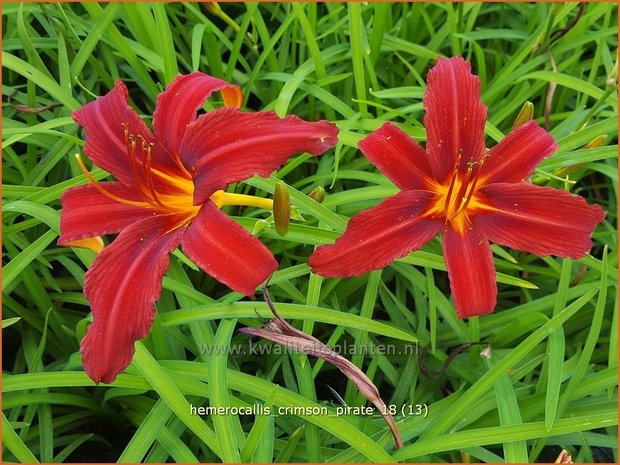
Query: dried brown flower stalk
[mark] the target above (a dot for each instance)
(278, 330)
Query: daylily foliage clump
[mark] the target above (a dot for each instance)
(458, 188)
(171, 186)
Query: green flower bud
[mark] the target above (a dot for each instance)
(281, 208)
(598, 141)
(317, 194)
(526, 113)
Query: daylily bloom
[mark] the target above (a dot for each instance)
(459, 188)
(171, 186)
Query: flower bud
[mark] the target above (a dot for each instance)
(564, 457)
(281, 208)
(598, 141)
(213, 7)
(612, 79)
(317, 194)
(526, 113)
(260, 226)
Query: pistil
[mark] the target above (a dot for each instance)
(221, 199)
(458, 202)
(455, 174)
(460, 192)
(473, 183)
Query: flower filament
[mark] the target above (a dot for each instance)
(148, 192)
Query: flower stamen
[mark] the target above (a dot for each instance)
(472, 185)
(130, 144)
(102, 190)
(177, 161)
(144, 178)
(460, 196)
(148, 174)
(131, 150)
(451, 187)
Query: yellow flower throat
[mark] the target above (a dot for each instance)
(456, 199)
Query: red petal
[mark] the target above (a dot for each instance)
(455, 116)
(226, 251)
(178, 104)
(471, 271)
(86, 212)
(104, 120)
(376, 237)
(517, 155)
(227, 145)
(539, 220)
(397, 156)
(122, 285)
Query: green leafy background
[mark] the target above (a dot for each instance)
(551, 381)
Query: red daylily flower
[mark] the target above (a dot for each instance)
(459, 188)
(169, 192)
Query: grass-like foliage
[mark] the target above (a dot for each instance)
(551, 379)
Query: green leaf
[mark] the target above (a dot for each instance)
(509, 415)
(557, 349)
(10, 321)
(11, 270)
(14, 443)
(471, 396)
(93, 38)
(288, 311)
(218, 392)
(568, 81)
(161, 382)
(40, 79)
(259, 432)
